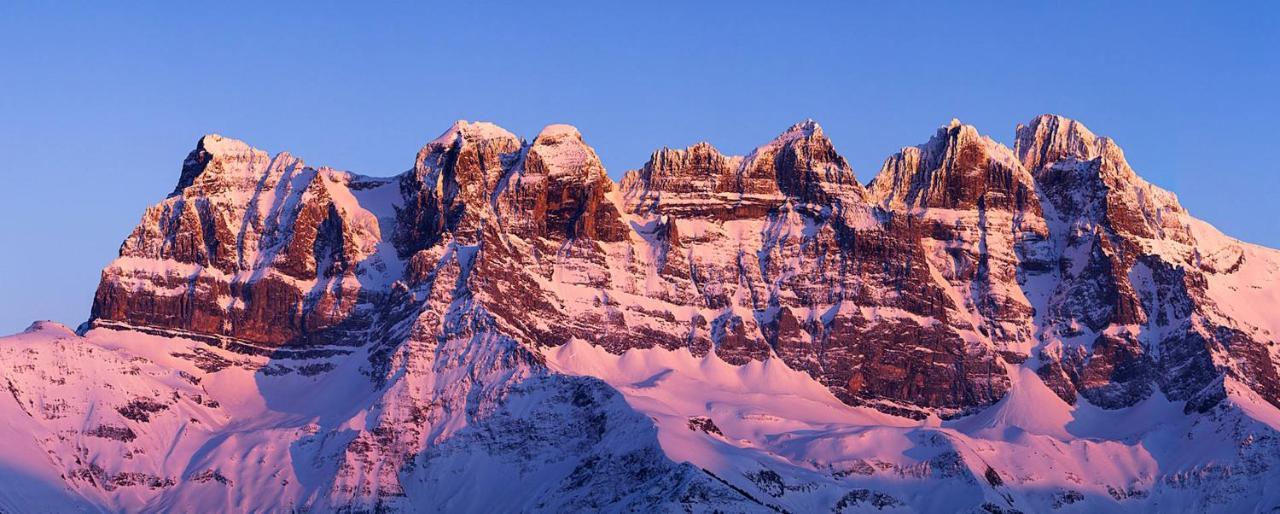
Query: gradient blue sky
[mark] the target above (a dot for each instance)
(99, 104)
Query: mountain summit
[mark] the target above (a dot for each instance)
(502, 328)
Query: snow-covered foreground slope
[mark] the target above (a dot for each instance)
(502, 328)
(124, 421)
(769, 429)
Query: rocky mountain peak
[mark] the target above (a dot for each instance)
(955, 137)
(555, 188)
(217, 144)
(220, 159)
(473, 131)
(1051, 138)
(665, 156)
(957, 168)
(1089, 181)
(800, 163)
(807, 133)
(700, 167)
(701, 147)
(682, 181)
(804, 129)
(485, 137)
(559, 131)
(453, 179)
(562, 150)
(463, 131)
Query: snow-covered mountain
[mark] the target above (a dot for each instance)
(502, 328)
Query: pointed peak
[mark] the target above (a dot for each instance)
(955, 126)
(803, 129)
(238, 157)
(217, 144)
(1055, 122)
(702, 146)
(808, 125)
(955, 133)
(1049, 138)
(952, 170)
(473, 131)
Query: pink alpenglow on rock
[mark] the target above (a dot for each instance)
(503, 328)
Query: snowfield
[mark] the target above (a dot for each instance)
(124, 421)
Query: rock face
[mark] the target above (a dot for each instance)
(1132, 308)
(913, 295)
(963, 276)
(267, 251)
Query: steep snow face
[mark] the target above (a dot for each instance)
(1243, 280)
(714, 333)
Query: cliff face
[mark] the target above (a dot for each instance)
(267, 251)
(914, 295)
(446, 306)
(1141, 287)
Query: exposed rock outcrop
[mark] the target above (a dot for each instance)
(913, 295)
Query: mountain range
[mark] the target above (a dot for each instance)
(503, 328)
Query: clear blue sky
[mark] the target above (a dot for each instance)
(100, 103)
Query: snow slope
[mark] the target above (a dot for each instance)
(124, 421)
(778, 431)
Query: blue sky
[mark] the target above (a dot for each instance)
(99, 104)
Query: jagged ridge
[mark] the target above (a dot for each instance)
(961, 253)
(962, 272)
